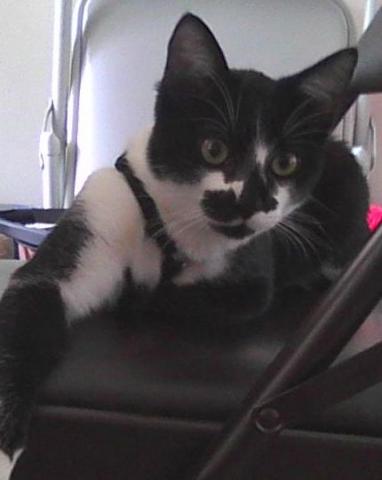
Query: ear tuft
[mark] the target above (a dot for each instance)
(193, 49)
(328, 80)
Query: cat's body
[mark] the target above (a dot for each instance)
(247, 184)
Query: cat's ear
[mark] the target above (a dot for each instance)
(327, 81)
(193, 50)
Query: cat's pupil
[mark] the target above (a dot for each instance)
(214, 148)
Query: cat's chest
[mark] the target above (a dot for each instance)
(148, 262)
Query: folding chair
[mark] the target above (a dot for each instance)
(148, 401)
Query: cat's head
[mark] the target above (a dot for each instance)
(246, 148)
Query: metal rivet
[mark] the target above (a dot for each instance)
(268, 420)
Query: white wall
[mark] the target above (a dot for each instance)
(25, 67)
(375, 179)
(25, 59)
(376, 174)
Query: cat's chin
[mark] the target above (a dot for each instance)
(236, 232)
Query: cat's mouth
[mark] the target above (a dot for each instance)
(237, 231)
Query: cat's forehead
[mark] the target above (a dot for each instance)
(257, 105)
(252, 89)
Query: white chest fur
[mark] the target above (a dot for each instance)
(195, 271)
(117, 243)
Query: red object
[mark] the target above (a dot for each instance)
(26, 253)
(374, 217)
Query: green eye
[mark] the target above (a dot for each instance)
(284, 167)
(214, 151)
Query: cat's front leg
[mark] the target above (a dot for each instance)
(80, 267)
(32, 340)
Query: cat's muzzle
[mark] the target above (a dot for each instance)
(235, 231)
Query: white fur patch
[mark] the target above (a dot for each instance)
(206, 270)
(6, 465)
(115, 221)
(283, 197)
(237, 187)
(261, 153)
(215, 181)
(146, 263)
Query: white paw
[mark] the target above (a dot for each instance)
(6, 465)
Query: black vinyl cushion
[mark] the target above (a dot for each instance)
(196, 372)
(142, 398)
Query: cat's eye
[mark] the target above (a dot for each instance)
(214, 151)
(284, 166)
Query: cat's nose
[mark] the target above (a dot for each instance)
(256, 197)
(247, 209)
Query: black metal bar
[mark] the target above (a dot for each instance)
(12, 220)
(313, 348)
(316, 394)
(32, 215)
(28, 236)
(367, 77)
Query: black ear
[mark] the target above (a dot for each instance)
(193, 50)
(327, 81)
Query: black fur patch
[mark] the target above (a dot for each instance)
(57, 257)
(33, 327)
(221, 205)
(234, 231)
(32, 340)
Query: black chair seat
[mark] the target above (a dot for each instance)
(168, 388)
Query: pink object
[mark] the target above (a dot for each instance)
(374, 217)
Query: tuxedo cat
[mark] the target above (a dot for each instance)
(236, 191)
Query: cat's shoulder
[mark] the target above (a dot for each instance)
(108, 200)
(340, 158)
(343, 170)
(343, 181)
(105, 184)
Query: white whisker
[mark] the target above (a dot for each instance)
(214, 106)
(226, 97)
(299, 122)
